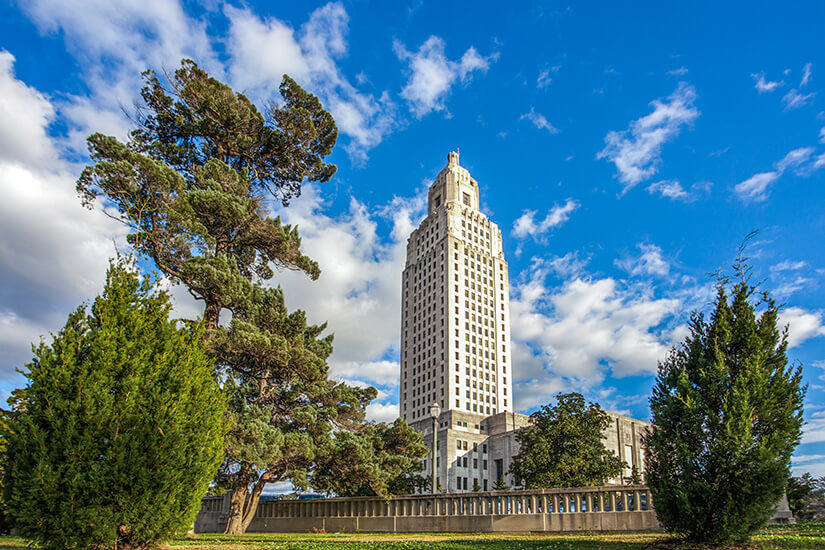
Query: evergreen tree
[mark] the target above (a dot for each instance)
(563, 447)
(283, 408)
(192, 183)
(500, 484)
(476, 486)
(120, 428)
(727, 411)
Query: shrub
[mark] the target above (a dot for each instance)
(121, 428)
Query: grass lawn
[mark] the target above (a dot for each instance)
(794, 537)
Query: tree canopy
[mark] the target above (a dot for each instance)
(727, 410)
(563, 447)
(120, 428)
(380, 459)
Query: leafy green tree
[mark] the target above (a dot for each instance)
(806, 494)
(375, 460)
(727, 411)
(121, 426)
(563, 447)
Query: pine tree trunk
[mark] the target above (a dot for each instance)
(211, 315)
(234, 523)
(252, 505)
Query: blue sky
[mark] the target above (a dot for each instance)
(624, 150)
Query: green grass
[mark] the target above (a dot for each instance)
(803, 536)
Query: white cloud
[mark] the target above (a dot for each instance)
(54, 253)
(526, 225)
(806, 75)
(649, 262)
(670, 189)
(673, 190)
(381, 373)
(25, 114)
(788, 265)
(802, 324)
(432, 75)
(584, 328)
(358, 292)
(756, 187)
(794, 99)
(382, 412)
(765, 86)
(309, 55)
(637, 151)
(114, 41)
(544, 79)
(539, 121)
(822, 135)
(681, 71)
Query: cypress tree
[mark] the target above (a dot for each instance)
(120, 428)
(727, 410)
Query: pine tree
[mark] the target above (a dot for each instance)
(121, 426)
(563, 447)
(476, 486)
(500, 484)
(194, 185)
(727, 411)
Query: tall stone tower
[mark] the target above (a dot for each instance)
(455, 315)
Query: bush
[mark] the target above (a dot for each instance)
(121, 428)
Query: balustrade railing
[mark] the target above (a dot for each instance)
(501, 503)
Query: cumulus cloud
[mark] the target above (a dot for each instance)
(54, 253)
(431, 75)
(802, 324)
(756, 187)
(539, 121)
(382, 412)
(765, 86)
(527, 225)
(116, 40)
(648, 262)
(637, 151)
(586, 327)
(310, 56)
(359, 291)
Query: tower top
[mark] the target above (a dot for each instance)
(453, 184)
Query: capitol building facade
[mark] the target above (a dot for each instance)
(456, 357)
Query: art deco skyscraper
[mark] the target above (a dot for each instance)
(455, 315)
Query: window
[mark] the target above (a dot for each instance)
(466, 202)
(438, 201)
